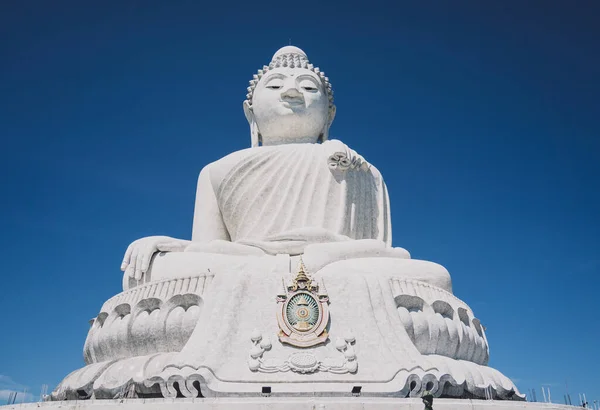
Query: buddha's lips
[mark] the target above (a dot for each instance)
(293, 102)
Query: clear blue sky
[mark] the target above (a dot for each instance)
(482, 117)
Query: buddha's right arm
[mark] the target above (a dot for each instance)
(208, 226)
(208, 221)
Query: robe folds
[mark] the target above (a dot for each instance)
(282, 198)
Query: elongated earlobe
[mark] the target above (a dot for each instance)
(255, 138)
(325, 133)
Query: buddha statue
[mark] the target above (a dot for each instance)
(200, 317)
(250, 202)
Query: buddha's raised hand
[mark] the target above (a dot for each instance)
(137, 258)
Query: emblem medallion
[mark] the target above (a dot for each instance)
(304, 313)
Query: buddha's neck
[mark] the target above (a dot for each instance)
(289, 140)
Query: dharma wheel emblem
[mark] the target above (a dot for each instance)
(304, 313)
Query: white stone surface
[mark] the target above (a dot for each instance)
(184, 324)
(307, 402)
(253, 197)
(300, 193)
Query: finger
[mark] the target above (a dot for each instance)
(132, 260)
(138, 265)
(127, 257)
(165, 247)
(147, 257)
(173, 246)
(130, 272)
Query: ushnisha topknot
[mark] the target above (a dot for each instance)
(293, 57)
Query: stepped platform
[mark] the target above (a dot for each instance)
(287, 403)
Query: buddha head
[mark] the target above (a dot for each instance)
(289, 101)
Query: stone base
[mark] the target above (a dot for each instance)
(219, 335)
(274, 403)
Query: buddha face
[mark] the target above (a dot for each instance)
(290, 105)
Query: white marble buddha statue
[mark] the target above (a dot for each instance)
(292, 190)
(198, 317)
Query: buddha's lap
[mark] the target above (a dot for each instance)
(409, 269)
(189, 264)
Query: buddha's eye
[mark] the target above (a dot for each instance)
(275, 84)
(309, 86)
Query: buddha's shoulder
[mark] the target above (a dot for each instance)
(217, 170)
(233, 157)
(237, 156)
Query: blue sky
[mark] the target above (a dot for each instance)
(481, 116)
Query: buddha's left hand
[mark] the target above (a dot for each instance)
(137, 258)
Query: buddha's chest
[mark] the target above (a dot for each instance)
(242, 166)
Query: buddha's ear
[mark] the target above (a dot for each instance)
(248, 112)
(332, 112)
(255, 138)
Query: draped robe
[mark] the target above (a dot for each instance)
(282, 198)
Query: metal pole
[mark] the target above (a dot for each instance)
(544, 394)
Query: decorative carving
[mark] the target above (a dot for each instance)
(303, 361)
(156, 317)
(304, 312)
(439, 323)
(298, 194)
(340, 161)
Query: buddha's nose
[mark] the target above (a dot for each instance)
(292, 93)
